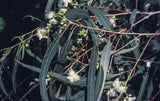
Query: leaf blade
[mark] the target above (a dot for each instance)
(101, 18)
(50, 53)
(91, 74)
(74, 14)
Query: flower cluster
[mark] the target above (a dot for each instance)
(119, 87)
(130, 99)
(65, 2)
(112, 21)
(72, 76)
(40, 32)
(51, 17)
(111, 92)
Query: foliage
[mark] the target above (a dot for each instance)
(88, 50)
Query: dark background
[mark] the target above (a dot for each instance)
(13, 12)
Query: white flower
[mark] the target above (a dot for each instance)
(130, 99)
(63, 10)
(148, 64)
(122, 89)
(40, 31)
(53, 21)
(116, 83)
(66, 2)
(72, 76)
(112, 21)
(118, 87)
(111, 92)
(50, 15)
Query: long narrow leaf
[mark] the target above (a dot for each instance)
(68, 93)
(80, 96)
(2, 87)
(127, 50)
(50, 53)
(101, 18)
(91, 74)
(99, 82)
(15, 68)
(63, 55)
(133, 17)
(74, 14)
(143, 86)
(82, 82)
(105, 58)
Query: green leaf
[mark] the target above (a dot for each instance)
(150, 89)
(30, 53)
(52, 90)
(143, 86)
(50, 53)
(91, 74)
(15, 68)
(68, 93)
(133, 17)
(108, 85)
(58, 92)
(82, 82)
(105, 58)
(99, 82)
(2, 87)
(63, 55)
(92, 32)
(2, 24)
(77, 13)
(80, 96)
(5, 54)
(23, 51)
(101, 18)
(123, 51)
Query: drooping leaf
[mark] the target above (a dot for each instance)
(63, 55)
(150, 89)
(101, 18)
(91, 74)
(2, 87)
(2, 24)
(49, 5)
(143, 86)
(82, 82)
(52, 90)
(105, 58)
(23, 51)
(50, 53)
(133, 17)
(99, 83)
(57, 95)
(80, 96)
(68, 93)
(15, 68)
(77, 13)
(123, 51)
(108, 85)
(92, 32)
